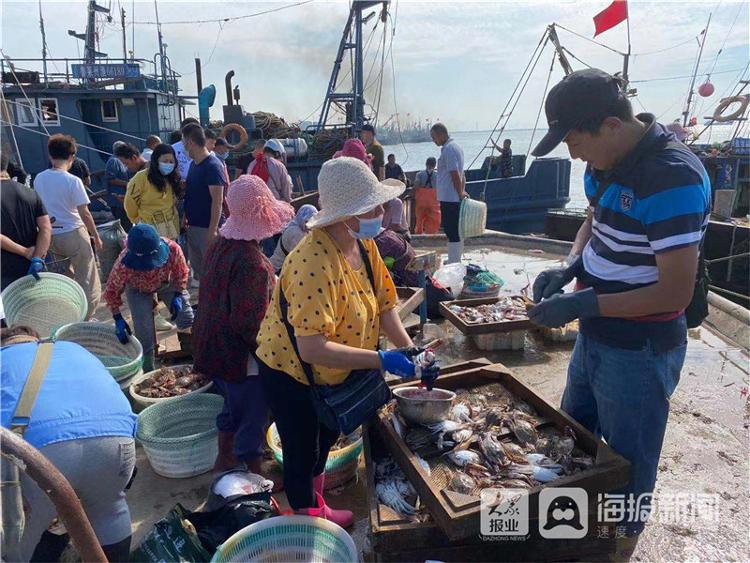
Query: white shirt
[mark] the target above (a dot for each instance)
(183, 159)
(61, 193)
(146, 154)
(451, 160)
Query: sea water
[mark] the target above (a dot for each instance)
(412, 156)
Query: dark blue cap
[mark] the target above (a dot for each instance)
(146, 250)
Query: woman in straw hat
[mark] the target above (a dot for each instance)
(234, 294)
(336, 310)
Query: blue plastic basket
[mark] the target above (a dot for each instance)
(289, 538)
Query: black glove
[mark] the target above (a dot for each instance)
(552, 281)
(559, 310)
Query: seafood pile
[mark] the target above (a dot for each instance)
(506, 309)
(396, 492)
(492, 439)
(171, 382)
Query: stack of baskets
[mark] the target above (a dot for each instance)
(180, 437)
(45, 305)
(122, 360)
(289, 538)
(341, 466)
(141, 401)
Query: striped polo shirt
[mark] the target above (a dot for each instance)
(658, 200)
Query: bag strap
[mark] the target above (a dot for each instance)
(22, 415)
(284, 308)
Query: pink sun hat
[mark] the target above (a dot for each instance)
(254, 213)
(355, 149)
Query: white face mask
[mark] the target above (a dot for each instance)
(368, 228)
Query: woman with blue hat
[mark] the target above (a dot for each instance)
(149, 266)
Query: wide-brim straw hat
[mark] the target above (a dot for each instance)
(254, 213)
(347, 188)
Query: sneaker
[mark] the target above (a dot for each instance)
(162, 324)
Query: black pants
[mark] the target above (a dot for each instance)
(306, 442)
(119, 213)
(450, 211)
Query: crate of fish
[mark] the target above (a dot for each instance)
(489, 315)
(496, 432)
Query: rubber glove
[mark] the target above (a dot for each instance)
(122, 329)
(429, 375)
(37, 265)
(559, 310)
(175, 307)
(553, 280)
(398, 363)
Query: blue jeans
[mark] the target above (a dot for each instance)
(245, 414)
(623, 396)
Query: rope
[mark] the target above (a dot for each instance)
(48, 135)
(590, 40)
(77, 121)
(544, 96)
(12, 133)
(503, 113)
(680, 77)
(222, 20)
(395, 103)
(18, 82)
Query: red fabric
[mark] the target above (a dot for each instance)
(174, 272)
(260, 168)
(615, 13)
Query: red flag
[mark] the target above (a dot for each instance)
(615, 13)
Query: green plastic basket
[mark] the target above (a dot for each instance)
(123, 361)
(180, 436)
(289, 538)
(338, 460)
(45, 305)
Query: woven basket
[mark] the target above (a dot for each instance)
(472, 219)
(180, 437)
(341, 465)
(148, 401)
(122, 360)
(45, 305)
(289, 538)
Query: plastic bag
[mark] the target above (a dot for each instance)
(452, 277)
(113, 241)
(172, 538)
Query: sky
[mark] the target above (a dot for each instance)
(456, 61)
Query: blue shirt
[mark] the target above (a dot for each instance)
(659, 200)
(210, 172)
(78, 398)
(114, 169)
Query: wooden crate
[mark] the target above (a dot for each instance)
(458, 515)
(409, 299)
(480, 328)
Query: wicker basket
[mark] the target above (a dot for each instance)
(289, 538)
(341, 465)
(45, 305)
(472, 219)
(148, 401)
(122, 360)
(180, 437)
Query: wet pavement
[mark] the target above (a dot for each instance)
(705, 454)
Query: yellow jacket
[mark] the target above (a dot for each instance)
(144, 203)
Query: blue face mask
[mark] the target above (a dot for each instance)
(368, 228)
(166, 168)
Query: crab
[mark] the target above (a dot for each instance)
(493, 451)
(462, 483)
(523, 430)
(461, 413)
(462, 458)
(394, 492)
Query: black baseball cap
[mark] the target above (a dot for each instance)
(581, 95)
(368, 127)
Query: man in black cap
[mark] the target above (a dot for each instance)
(635, 259)
(374, 148)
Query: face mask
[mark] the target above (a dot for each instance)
(166, 168)
(368, 228)
(224, 156)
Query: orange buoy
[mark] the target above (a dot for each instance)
(706, 89)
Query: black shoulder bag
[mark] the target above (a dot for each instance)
(343, 407)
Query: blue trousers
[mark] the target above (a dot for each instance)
(623, 396)
(245, 414)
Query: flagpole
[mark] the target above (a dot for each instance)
(627, 55)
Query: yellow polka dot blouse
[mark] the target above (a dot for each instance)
(326, 296)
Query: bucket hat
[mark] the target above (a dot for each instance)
(145, 250)
(254, 213)
(347, 188)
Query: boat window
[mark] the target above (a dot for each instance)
(109, 111)
(26, 112)
(48, 111)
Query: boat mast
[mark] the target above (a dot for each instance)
(626, 61)
(161, 47)
(44, 42)
(564, 62)
(90, 53)
(124, 36)
(686, 113)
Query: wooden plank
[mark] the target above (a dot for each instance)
(609, 472)
(409, 299)
(480, 328)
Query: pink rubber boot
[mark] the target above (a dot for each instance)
(343, 518)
